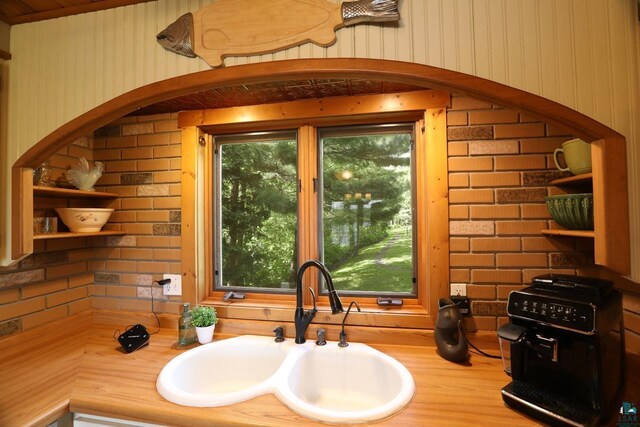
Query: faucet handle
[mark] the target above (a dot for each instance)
(343, 340)
(313, 295)
(279, 331)
(321, 337)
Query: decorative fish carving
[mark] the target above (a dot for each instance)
(246, 27)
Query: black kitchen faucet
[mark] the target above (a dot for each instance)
(303, 318)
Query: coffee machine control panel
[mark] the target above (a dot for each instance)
(571, 315)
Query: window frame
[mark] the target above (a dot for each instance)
(426, 109)
(407, 128)
(216, 215)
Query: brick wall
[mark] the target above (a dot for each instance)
(500, 166)
(143, 165)
(56, 280)
(62, 277)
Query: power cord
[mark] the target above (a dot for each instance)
(160, 283)
(492, 356)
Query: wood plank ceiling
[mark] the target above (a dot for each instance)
(269, 93)
(20, 11)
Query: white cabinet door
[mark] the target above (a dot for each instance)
(86, 420)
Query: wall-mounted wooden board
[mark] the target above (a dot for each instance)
(245, 27)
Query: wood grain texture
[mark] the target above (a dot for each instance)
(307, 228)
(17, 12)
(22, 213)
(76, 365)
(432, 166)
(189, 240)
(437, 202)
(38, 368)
(206, 274)
(71, 234)
(572, 233)
(414, 74)
(85, 61)
(403, 72)
(611, 204)
(246, 27)
(70, 192)
(314, 110)
(577, 180)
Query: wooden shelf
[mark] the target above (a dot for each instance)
(71, 192)
(570, 233)
(585, 178)
(70, 234)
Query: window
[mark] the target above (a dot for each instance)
(367, 210)
(333, 180)
(256, 200)
(365, 214)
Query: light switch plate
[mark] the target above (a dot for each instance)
(173, 288)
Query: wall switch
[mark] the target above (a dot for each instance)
(458, 290)
(173, 288)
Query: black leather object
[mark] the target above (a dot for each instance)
(134, 338)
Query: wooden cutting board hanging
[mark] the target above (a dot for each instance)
(249, 27)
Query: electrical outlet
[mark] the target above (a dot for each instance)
(173, 288)
(464, 305)
(458, 289)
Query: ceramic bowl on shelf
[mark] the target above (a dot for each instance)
(572, 211)
(84, 220)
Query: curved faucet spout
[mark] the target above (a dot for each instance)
(303, 318)
(343, 335)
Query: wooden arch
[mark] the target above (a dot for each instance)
(608, 146)
(403, 72)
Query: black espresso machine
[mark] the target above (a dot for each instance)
(564, 349)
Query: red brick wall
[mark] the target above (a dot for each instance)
(500, 166)
(143, 165)
(56, 280)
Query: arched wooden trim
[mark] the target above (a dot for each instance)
(610, 174)
(402, 72)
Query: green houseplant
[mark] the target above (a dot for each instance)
(204, 318)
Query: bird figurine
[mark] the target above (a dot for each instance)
(83, 177)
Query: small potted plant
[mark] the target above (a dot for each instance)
(204, 318)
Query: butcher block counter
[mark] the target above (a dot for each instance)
(76, 365)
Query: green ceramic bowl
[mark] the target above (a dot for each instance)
(572, 211)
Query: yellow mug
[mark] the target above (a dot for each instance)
(577, 156)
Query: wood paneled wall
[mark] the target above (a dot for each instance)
(4, 36)
(581, 53)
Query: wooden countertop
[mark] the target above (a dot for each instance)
(76, 365)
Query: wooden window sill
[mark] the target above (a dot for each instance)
(408, 316)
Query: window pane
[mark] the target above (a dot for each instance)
(367, 211)
(258, 214)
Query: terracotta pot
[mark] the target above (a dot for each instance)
(205, 334)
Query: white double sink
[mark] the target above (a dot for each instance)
(327, 383)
